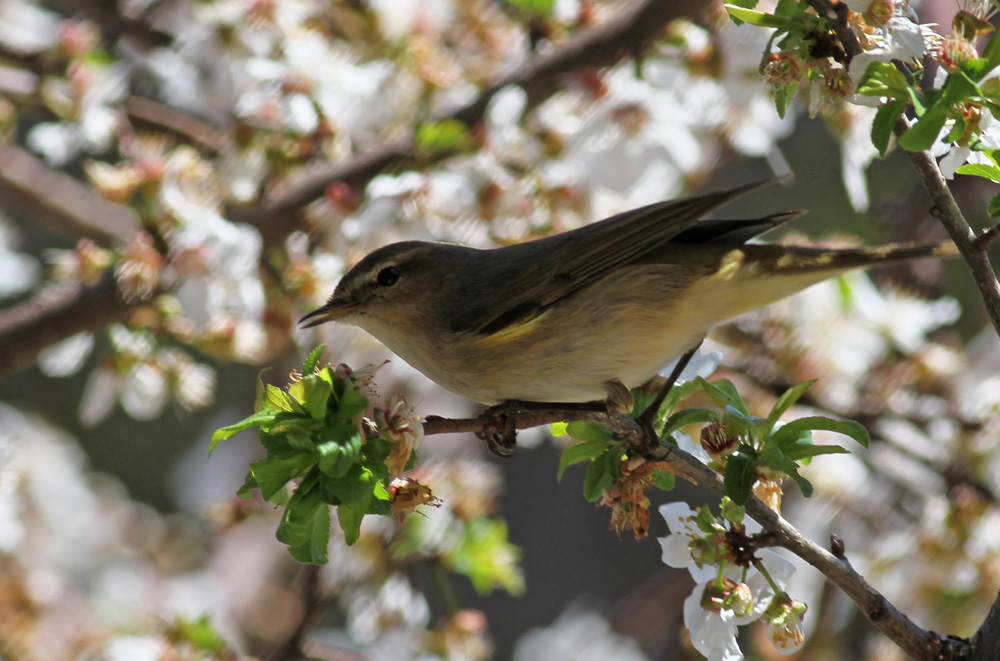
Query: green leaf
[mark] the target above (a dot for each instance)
(796, 427)
(486, 556)
(883, 79)
(783, 98)
(922, 135)
(807, 450)
(278, 398)
(260, 399)
(663, 480)
(959, 88)
(724, 393)
(990, 172)
(199, 634)
(773, 457)
(309, 366)
(588, 430)
(356, 485)
(739, 477)
(351, 404)
(601, 474)
(263, 418)
(273, 473)
(788, 399)
(574, 454)
(339, 447)
(992, 52)
(350, 517)
(445, 135)
(994, 207)
(686, 417)
(679, 393)
(317, 393)
(754, 17)
(557, 429)
(305, 526)
(249, 484)
(885, 121)
(738, 423)
(536, 7)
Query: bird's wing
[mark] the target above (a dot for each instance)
(538, 274)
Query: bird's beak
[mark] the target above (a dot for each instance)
(332, 311)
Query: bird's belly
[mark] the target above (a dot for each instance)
(627, 330)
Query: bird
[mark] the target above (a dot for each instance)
(587, 314)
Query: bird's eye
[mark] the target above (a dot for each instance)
(388, 276)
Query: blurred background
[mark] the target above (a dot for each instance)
(180, 181)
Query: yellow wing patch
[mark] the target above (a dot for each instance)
(514, 331)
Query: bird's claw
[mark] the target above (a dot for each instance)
(500, 430)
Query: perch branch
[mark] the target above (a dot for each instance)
(891, 621)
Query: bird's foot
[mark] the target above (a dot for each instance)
(500, 429)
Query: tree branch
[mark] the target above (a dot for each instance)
(599, 47)
(29, 186)
(602, 46)
(891, 621)
(945, 208)
(53, 315)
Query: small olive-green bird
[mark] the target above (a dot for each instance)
(586, 314)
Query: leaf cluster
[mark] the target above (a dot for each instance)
(313, 436)
(762, 445)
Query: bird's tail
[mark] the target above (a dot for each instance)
(754, 275)
(793, 260)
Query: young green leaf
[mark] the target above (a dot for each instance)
(738, 423)
(921, 136)
(754, 17)
(574, 454)
(788, 399)
(350, 517)
(444, 135)
(273, 473)
(264, 418)
(883, 79)
(849, 428)
(885, 121)
(601, 474)
(317, 394)
(739, 477)
(309, 366)
(587, 430)
(305, 526)
(663, 480)
(773, 457)
(801, 451)
(351, 404)
(686, 417)
(339, 448)
(724, 393)
(990, 172)
(994, 207)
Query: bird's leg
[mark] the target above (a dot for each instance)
(619, 399)
(648, 417)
